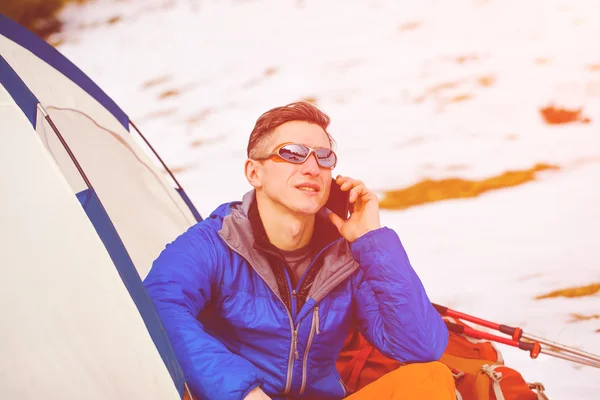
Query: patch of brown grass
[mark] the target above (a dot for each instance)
(466, 58)
(270, 71)
(486, 80)
(434, 90)
(556, 115)
(156, 81)
(160, 113)
(267, 73)
(199, 116)
(531, 276)
(594, 67)
(442, 86)
(180, 169)
(113, 20)
(409, 26)
(578, 291)
(575, 317)
(429, 191)
(39, 16)
(168, 93)
(441, 90)
(460, 97)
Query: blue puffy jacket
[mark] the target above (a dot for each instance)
(235, 321)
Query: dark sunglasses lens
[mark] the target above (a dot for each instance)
(293, 153)
(326, 158)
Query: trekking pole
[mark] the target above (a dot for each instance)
(534, 348)
(562, 347)
(516, 333)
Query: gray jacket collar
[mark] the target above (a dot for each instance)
(238, 234)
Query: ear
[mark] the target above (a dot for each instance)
(252, 169)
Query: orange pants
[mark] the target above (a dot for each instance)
(425, 381)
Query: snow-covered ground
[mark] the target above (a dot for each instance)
(415, 89)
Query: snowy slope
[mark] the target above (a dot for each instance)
(415, 89)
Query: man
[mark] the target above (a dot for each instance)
(258, 298)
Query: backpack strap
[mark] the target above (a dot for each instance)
(495, 377)
(359, 362)
(539, 389)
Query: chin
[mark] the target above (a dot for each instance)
(306, 209)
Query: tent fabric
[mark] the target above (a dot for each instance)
(189, 203)
(107, 233)
(28, 40)
(128, 181)
(70, 328)
(131, 188)
(79, 319)
(17, 89)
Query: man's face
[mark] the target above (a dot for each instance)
(300, 188)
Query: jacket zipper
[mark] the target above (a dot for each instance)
(301, 282)
(294, 345)
(314, 328)
(343, 387)
(292, 293)
(293, 354)
(294, 342)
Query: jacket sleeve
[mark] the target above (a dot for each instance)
(180, 283)
(392, 307)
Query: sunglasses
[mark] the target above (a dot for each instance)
(298, 153)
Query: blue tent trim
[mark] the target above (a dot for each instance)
(50, 55)
(18, 90)
(189, 203)
(107, 232)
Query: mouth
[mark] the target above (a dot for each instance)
(308, 187)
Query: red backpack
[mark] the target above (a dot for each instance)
(477, 366)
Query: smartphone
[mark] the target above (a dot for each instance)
(339, 201)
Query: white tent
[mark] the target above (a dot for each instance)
(84, 212)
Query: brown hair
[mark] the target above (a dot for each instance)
(270, 120)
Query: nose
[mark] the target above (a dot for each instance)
(311, 166)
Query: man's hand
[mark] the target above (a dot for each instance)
(364, 212)
(257, 394)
